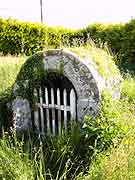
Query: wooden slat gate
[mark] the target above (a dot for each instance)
(45, 113)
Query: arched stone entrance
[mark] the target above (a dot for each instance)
(74, 71)
(77, 71)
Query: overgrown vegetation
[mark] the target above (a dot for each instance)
(31, 74)
(118, 162)
(92, 152)
(100, 58)
(102, 148)
(27, 38)
(9, 68)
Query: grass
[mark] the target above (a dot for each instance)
(128, 87)
(13, 163)
(117, 163)
(101, 59)
(56, 158)
(9, 68)
(104, 149)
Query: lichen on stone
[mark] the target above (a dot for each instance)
(88, 72)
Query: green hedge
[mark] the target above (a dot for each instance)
(120, 38)
(27, 38)
(114, 36)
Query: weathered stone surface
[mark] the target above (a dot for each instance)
(80, 76)
(87, 83)
(21, 114)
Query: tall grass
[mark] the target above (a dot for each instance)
(55, 158)
(118, 162)
(102, 149)
(9, 68)
(14, 164)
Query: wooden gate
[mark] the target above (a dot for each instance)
(51, 114)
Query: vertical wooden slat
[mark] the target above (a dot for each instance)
(36, 115)
(53, 111)
(72, 104)
(65, 108)
(47, 110)
(41, 110)
(59, 111)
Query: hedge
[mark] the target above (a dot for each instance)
(27, 38)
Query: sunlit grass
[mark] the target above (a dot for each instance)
(115, 163)
(118, 163)
(128, 87)
(100, 59)
(9, 68)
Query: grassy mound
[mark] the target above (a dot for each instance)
(101, 59)
(102, 149)
(109, 140)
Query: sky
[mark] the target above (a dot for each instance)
(69, 13)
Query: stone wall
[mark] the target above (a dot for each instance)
(86, 80)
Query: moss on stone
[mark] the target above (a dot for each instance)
(33, 72)
(102, 61)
